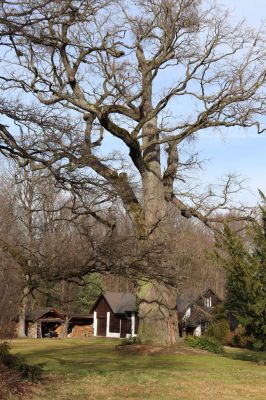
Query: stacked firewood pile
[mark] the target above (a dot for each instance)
(82, 331)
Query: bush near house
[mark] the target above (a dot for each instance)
(204, 343)
(219, 326)
(239, 338)
(219, 331)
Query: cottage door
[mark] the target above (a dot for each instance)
(101, 325)
(125, 327)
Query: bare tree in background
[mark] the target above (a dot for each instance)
(80, 72)
(9, 278)
(38, 238)
(47, 245)
(23, 227)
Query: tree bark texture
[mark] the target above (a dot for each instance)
(157, 314)
(158, 320)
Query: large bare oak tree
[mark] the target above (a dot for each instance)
(78, 72)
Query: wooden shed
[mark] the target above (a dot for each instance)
(49, 322)
(114, 315)
(42, 321)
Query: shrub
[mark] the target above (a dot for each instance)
(204, 343)
(239, 338)
(219, 325)
(19, 364)
(12, 386)
(4, 349)
(259, 345)
(130, 340)
(219, 330)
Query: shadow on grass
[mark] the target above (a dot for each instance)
(95, 357)
(107, 366)
(245, 355)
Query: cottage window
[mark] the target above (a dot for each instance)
(207, 302)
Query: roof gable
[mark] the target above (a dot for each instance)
(119, 302)
(42, 312)
(190, 296)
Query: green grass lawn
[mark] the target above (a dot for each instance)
(91, 369)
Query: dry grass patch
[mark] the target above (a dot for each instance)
(153, 389)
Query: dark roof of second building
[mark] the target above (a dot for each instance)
(120, 302)
(198, 317)
(189, 296)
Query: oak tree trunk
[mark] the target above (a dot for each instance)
(157, 314)
(158, 321)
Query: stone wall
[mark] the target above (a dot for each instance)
(32, 330)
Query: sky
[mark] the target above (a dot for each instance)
(241, 153)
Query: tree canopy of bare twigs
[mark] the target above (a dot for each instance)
(80, 72)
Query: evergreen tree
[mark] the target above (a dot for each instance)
(89, 292)
(245, 260)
